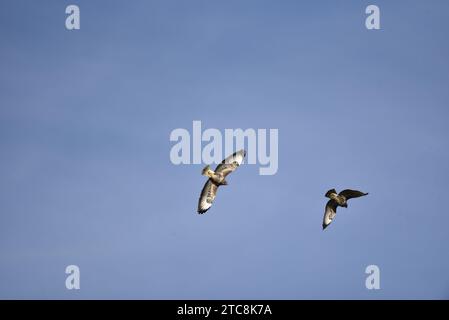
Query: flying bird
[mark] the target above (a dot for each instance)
(218, 178)
(338, 200)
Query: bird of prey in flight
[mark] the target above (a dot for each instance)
(338, 200)
(218, 178)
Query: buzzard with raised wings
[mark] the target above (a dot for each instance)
(338, 200)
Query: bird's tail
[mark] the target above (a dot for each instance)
(328, 194)
(205, 170)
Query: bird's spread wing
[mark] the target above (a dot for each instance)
(348, 194)
(329, 213)
(231, 163)
(207, 196)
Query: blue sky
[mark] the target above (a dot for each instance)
(86, 179)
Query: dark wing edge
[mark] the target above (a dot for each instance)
(329, 213)
(231, 163)
(236, 156)
(349, 194)
(207, 196)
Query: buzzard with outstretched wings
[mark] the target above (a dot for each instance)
(218, 178)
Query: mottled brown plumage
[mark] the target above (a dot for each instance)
(338, 200)
(218, 178)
